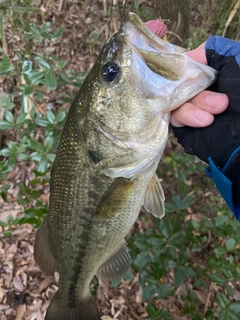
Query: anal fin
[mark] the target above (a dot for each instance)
(154, 198)
(42, 252)
(116, 266)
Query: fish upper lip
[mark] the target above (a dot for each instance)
(147, 39)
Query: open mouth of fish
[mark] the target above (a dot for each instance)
(160, 68)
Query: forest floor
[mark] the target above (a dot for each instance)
(25, 291)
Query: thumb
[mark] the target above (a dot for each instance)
(198, 54)
(158, 27)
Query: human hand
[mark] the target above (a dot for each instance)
(208, 124)
(200, 110)
(218, 144)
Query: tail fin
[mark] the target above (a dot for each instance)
(85, 310)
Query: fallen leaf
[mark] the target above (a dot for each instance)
(202, 297)
(45, 283)
(21, 308)
(18, 284)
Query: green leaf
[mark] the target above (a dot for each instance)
(41, 122)
(50, 116)
(24, 9)
(152, 311)
(158, 270)
(35, 145)
(51, 80)
(48, 144)
(230, 244)
(215, 278)
(40, 96)
(230, 290)
(178, 277)
(29, 35)
(6, 152)
(65, 77)
(51, 157)
(27, 90)
(185, 203)
(156, 240)
(36, 75)
(222, 300)
(7, 234)
(21, 118)
(128, 276)
(178, 239)
(43, 63)
(155, 313)
(170, 264)
(142, 259)
(188, 272)
(43, 164)
(235, 307)
(165, 228)
(209, 315)
(6, 103)
(57, 35)
(164, 290)
(4, 196)
(9, 117)
(45, 27)
(149, 291)
(115, 283)
(4, 125)
(219, 251)
(5, 65)
(3, 223)
(60, 116)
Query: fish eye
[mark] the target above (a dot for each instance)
(110, 72)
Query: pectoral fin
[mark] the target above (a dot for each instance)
(116, 266)
(154, 198)
(115, 198)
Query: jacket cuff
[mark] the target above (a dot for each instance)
(223, 184)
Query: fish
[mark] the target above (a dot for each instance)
(105, 167)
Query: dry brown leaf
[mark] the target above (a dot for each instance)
(45, 283)
(1, 290)
(9, 311)
(202, 297)
(236, 295)
(8, 278)
(4, 306)
(17, 283)
(20, 311)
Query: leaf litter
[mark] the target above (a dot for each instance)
(25, 291)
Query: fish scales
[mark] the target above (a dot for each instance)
(104, 171)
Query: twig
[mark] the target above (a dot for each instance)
(231, 16)
(60, 6)
(2, 32)
(208, 298)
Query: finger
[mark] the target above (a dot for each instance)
(158, 27)
(199, 111)
(190, 115)
(210, 101)
(198, 54)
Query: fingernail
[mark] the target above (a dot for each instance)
(202, 116)
(213, 99)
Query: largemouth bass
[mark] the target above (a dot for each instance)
(104, 171)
